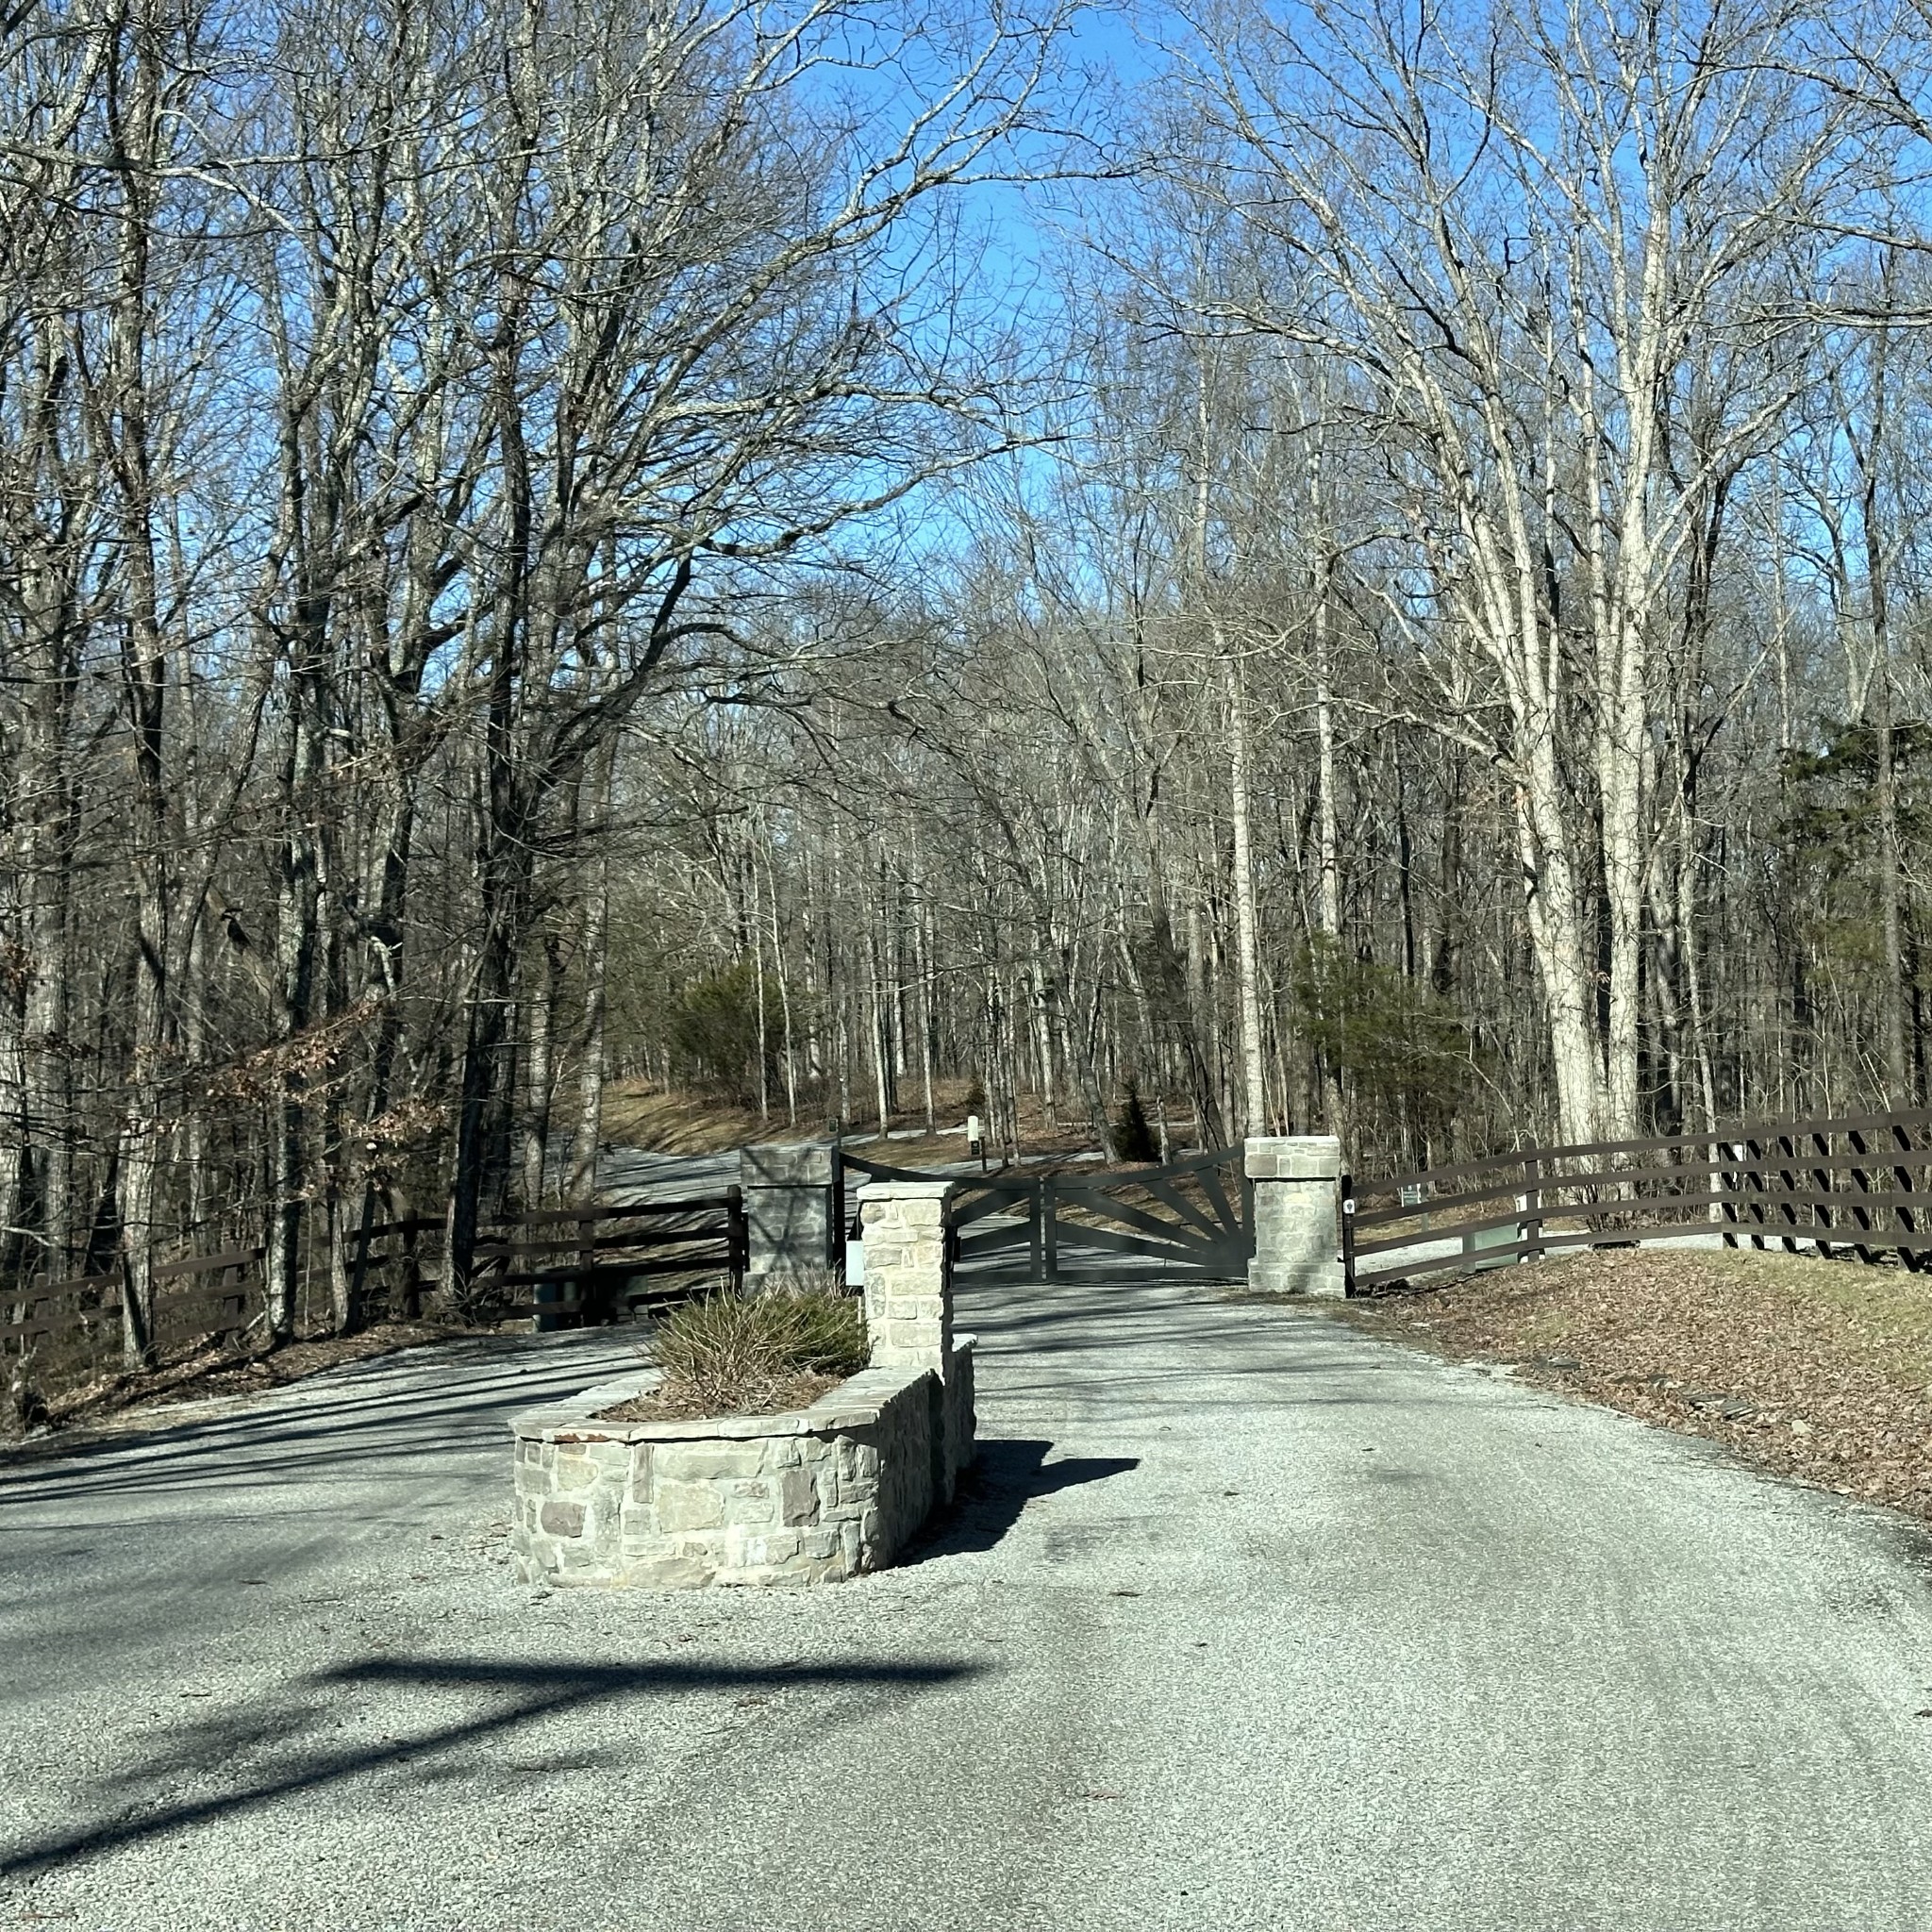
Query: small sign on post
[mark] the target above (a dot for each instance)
(976, 1141)
(1416, 1195)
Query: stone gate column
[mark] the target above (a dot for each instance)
(909, 1274)
(788, 1209)
(909, 1309)
(1297, 1181)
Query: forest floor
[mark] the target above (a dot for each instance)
(671, 1120)
(115, 1402)
(666, 1121)
(1815, 1369)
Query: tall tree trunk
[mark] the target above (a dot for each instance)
(297, 943)
(134, 117)
(541, 1031)
(1327, 836)
(589, 1133)
(1254, 1089)
(1893, 1008)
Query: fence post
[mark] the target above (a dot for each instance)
(1529, 1246)
(1861, 1184)
(736, 1239)
(587, 1265)
(1345, 1191)
(1049, 1225)
(1298, 1214)
(409, 1263)
(1787, 1213)
(1822, 1183)
(1905, 1217)
(839, 1229)
(359, 1277)
(1756, 1176)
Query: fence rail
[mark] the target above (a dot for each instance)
(573, 1265)
(1858, 1186)
(591, 1264)
(78, 1320)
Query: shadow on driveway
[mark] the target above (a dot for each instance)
(527, 1692)
(1003, 1478)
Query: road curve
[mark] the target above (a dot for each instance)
(1253, 1622)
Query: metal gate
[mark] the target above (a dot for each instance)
(1191, 1220)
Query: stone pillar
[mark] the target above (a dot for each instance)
(909, 1275)
(909, 1312)
(1297, 1182)
(788, 1209)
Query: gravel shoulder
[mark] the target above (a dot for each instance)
(1251, 1621)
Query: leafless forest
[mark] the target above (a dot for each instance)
(1334, 565)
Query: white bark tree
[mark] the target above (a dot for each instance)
(1535, 237)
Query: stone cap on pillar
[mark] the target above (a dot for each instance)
(785, 1164)
(1292, 1158)
(905, 1191)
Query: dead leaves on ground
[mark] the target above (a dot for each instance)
(1816, 1370)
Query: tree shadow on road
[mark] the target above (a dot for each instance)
(1003, 1479)
(381, 1411)
(511, 1695)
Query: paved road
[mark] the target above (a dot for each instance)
(627, 1175)
(632, 1175)
(1254, 1623)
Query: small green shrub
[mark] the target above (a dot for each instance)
(1133, 1133)
(730, 1353)
(711, 1026)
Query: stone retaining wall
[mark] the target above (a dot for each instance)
(809, 1496)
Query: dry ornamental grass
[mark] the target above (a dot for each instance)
(1816, 1370)
(753, 1355)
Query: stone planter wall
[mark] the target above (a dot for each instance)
(810, 1496)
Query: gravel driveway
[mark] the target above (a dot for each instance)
(1253, 1622)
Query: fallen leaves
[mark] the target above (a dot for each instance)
(203, 1371)
(1813, 1369)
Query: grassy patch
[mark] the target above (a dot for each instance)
(1817, 1370)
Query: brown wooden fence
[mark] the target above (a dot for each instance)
(1855, 1187)
(76, 1325)
(563, 1267)
(595, 1264)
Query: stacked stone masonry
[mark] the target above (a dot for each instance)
(812, 1495)
(788, 1209)
(909, 1312)
(809, 1496)
(1297, 1227)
